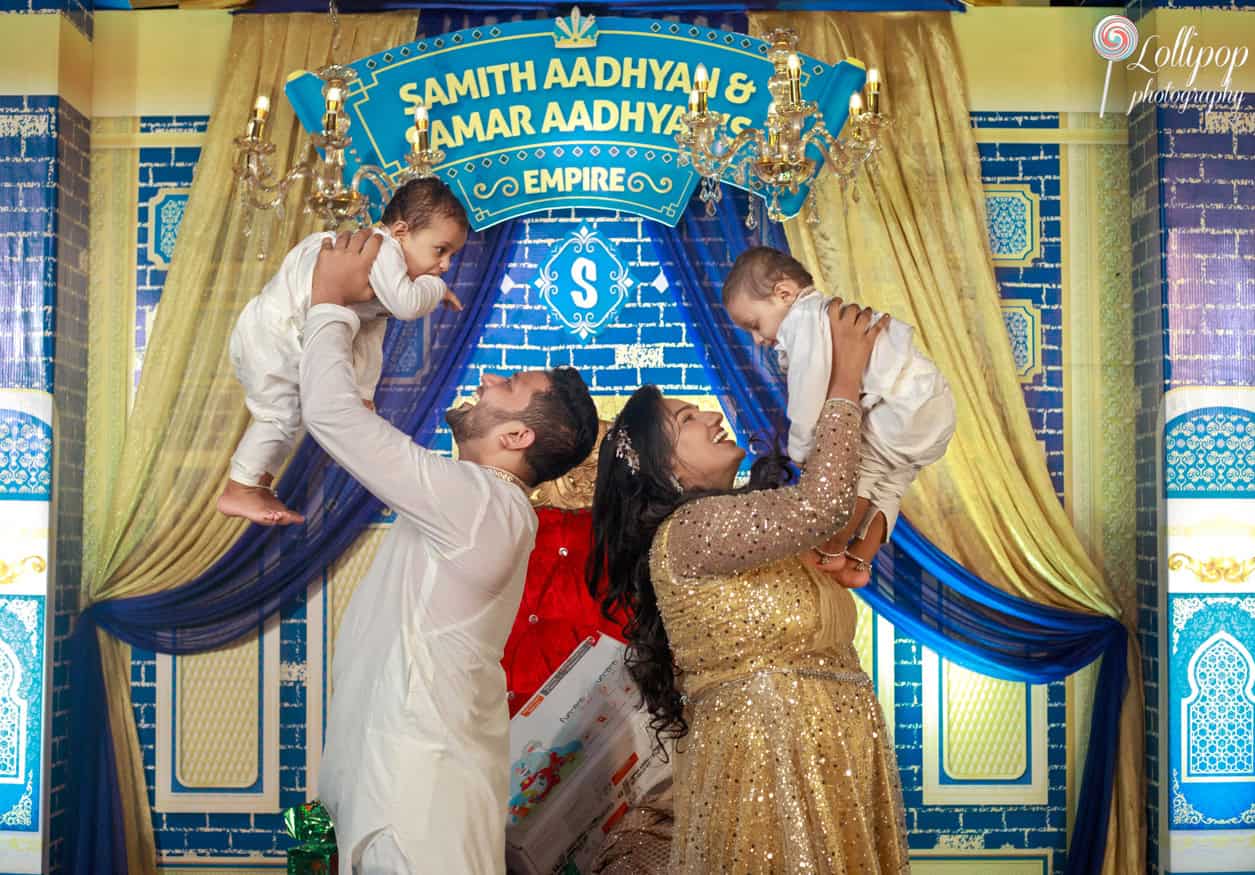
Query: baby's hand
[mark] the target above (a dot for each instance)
(451, 300)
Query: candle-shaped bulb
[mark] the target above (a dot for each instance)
(873, 79)
(693, 100)
(257, 124)
(701, 84)
(795, 78)
(331, 119)
(856, 104)
(873, 90)
(420, 140)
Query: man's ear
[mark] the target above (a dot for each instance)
(516, 436)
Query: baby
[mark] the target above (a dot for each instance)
(908, 411)
(423, 226)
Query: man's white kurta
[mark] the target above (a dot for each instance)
(417, 733)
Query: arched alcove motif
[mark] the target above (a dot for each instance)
(1218, 716)
(12, 718)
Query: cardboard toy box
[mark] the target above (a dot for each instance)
(582, 754)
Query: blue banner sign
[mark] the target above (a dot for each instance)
(569, 112)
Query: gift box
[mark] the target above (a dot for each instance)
(315, 852)
(582, 754)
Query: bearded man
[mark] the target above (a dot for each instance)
(416, 768)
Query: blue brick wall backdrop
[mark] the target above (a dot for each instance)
(649, 341)
(165, 177)
(28, 176)
(1207, 191)
(1035, 165)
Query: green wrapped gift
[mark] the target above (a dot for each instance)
(315, 852)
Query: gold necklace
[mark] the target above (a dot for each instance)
(505, 475)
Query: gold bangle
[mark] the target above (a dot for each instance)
(824, 555)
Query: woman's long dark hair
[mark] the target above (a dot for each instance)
(628, 508)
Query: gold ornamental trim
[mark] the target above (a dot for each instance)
(1225, 569)
(29, 565)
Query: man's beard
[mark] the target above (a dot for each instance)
(471, 422)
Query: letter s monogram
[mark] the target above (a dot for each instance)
(584, 274)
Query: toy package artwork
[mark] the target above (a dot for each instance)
(581, 754)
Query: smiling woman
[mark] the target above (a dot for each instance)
(737, 644)
(704, 452)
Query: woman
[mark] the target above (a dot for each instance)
(740, 649)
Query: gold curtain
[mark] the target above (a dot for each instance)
(916, 246)
(153, 524)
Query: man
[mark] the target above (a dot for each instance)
(416, 767)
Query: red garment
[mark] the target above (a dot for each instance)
(556, 613)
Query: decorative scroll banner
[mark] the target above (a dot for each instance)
(569, 112)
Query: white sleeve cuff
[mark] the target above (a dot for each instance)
(320, 315)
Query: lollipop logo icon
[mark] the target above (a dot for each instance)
(1115, 38)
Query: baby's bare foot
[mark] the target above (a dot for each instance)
(857, 568)
(256, 503)
(851, 577)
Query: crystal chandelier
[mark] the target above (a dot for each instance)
(261, 189)
(772, 160)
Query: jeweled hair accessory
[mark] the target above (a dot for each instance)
(624, 450)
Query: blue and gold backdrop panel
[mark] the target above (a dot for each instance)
(25, 526)
(1208, 627)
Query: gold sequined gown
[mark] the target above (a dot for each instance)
(787, 767)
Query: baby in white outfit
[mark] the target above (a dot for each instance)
(908, 411)
(423, 226)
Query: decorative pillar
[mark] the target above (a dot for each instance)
(1193, 203)
(44, 154)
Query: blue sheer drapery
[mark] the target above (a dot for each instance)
(954, 612)
(267, 567)
(984, 629)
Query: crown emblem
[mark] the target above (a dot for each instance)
(576, 31)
